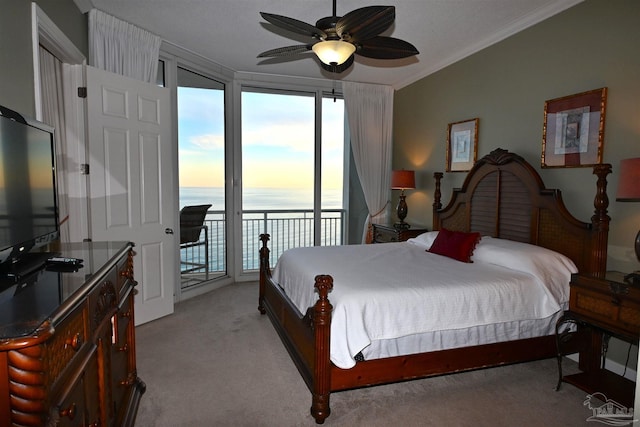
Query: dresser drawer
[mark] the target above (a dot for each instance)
(103, 301)
(387, 233)
(384, 236)
(71, 411)
(124, 272)
(608, 305)
(121, 356)
(68, 343)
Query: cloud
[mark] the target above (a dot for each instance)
(208, 141)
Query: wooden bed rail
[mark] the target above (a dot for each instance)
(306, 337)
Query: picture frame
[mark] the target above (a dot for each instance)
(573, 130)
(462, 145)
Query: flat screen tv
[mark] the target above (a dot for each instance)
(28, 197)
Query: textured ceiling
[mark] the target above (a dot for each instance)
(232, 33)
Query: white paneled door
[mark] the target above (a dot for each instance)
(130, 180)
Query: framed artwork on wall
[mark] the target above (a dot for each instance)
(573, 130)
(462, 145)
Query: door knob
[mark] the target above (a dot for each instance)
(168, 231)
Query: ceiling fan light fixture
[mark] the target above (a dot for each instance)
(333, 51)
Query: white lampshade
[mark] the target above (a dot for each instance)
(333, 51)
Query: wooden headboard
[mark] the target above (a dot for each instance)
(503, 196)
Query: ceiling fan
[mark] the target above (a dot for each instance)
(336, 39)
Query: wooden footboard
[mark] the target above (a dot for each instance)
(307, 337)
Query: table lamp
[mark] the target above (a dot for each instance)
(629, 191)
(402, 180)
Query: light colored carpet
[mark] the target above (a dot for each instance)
(217, 362)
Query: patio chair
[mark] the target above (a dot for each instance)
(191, 227)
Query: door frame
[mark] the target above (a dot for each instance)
(173, 57)
(46, 33)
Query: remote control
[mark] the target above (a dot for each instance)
(64, 261)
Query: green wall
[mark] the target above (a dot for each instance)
(16, 57)
(591, 45)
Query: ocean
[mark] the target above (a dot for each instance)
(288, 230)
(261, 198)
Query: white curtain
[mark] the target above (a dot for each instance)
(122, 48)
(53, 114)
(370, 114)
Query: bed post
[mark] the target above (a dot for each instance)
(322, 365)
(264, 269)
(600, 221)
(437, 203)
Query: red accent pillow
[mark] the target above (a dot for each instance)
(455, 244)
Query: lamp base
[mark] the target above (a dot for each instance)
(402, 211)
(401, 226)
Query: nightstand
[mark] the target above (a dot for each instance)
(387, 233)
(599, 308)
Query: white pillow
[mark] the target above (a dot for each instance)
(424, 240)
(551, 268)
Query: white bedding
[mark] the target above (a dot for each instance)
(395, 290)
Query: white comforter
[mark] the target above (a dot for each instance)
(392, 290)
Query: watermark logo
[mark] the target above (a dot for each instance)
(610, 412)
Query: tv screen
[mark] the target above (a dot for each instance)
(28, 203)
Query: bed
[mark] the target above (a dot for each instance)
(504, 200)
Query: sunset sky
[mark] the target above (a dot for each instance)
(277, 138)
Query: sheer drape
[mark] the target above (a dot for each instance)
(370, 114)
(122, 48)
(53, 114)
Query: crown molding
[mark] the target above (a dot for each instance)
(84, 5)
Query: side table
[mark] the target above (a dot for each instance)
(599, 308)
(387, 233)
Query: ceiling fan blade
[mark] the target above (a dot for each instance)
(338, 68)
(286, 51)
(365, 23)
(293, 25)
(386, 48)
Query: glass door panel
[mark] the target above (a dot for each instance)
(282, 133)
(278, 134)
(201, 136)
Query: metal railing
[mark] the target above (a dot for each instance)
(288, 229)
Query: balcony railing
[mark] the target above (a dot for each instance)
(288, 229)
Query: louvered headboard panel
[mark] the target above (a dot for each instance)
(503, 196)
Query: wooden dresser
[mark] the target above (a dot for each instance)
(67, 342)
(601, 308)
(387, 233)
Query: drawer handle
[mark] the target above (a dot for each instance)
(124, 347)
(74, 342)
(126, 313)
(70, 412)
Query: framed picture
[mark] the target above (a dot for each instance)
(462, 145)
(573, 130)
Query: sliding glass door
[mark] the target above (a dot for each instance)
(292, 171)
